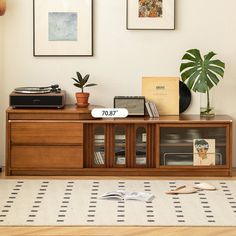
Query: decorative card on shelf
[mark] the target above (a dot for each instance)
(164, 92)
(204, 152)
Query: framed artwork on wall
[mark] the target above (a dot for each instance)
(150, 14)
(63, 28)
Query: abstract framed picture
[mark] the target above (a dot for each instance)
(150, 14)
(63, 28)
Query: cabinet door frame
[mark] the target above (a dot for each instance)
(112, 146)
(149, 146)
(228, 151)
(90, 143)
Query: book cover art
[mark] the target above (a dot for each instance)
(164, 92)
(204, 152)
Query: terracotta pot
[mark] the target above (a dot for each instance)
(2, 7)
(82, 99)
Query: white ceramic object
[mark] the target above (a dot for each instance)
(205, 186)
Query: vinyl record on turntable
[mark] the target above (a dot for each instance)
(31, 90)
(184, 97)
(38, 90)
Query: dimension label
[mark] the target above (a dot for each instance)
(110, 112)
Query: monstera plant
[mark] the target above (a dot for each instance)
(201, 74)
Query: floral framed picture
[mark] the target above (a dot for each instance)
(150, 14)
(63, 28)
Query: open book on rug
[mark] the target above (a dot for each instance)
(122, 195)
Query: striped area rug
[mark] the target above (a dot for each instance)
(77, 203)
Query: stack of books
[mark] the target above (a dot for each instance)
(99, 138)
(152, 109)
(99, 158)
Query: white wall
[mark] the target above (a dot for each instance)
(122, 56)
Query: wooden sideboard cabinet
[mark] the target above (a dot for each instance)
(45, 141)
(69, 142)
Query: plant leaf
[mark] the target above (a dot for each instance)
(90, 85)
(200, 74)
(217, 63)
(78, 85)
(185, 75)
(196, 53)
(208, 56)
(200, 85)
(86, 77)
(79, 76)
(217, 70)
(186, 65)
(188, 57)
(210, 84)
(192, 79)
(213, 77)
(77, 81)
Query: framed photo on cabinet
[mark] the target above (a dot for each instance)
(204, 152)
(150, 14)
(63, 28)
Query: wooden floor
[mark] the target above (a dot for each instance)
(116, 231)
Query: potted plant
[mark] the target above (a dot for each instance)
(81, 82)
(201, 74)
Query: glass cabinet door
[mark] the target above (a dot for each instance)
(99, 146)
(193, 146)
(120, 145)
(141, 146)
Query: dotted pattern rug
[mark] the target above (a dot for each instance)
(77, 203)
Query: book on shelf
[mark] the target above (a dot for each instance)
(148, 108)
(144, 137)
(152, 109)
(120, 136)
(141, 160)
(99, 141)
(99, 158)
(120, 160)
(122, 195)
(99, 136)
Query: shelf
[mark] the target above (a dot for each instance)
(120, 144)
(141, 144)
(186, 144)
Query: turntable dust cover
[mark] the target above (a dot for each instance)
(164, 92)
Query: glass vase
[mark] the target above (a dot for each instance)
(206, 104)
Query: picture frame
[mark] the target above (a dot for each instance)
(62, 28)
(150, 14)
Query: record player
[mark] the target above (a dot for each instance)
(37, 97)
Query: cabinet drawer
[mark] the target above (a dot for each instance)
(47, 157)
(46, 133)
